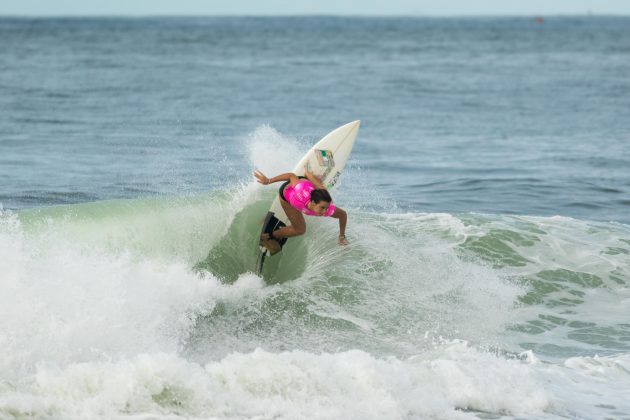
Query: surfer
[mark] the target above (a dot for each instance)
(301, 195)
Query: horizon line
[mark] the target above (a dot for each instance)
(294, 15)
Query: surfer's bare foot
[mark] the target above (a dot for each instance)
(342, 240)
(271, 244)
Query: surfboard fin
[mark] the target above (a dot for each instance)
(262, 253)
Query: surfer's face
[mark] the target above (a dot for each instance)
(319, 208)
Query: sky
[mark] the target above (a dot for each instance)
(310, 7)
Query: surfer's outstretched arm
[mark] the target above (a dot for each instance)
(289, 176)
(343, 219)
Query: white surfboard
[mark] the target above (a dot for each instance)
(326, 160)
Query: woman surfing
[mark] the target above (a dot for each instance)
(298, 196)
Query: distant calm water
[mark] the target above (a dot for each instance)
(489, 197)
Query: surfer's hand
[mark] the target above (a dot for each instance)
(315, 180)
(342, 240)
(310, 174)
(260, 177)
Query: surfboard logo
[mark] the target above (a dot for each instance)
(325, 158)
(334, 180)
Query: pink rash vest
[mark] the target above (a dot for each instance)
(300, 195)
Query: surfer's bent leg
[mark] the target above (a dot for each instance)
(298, 225)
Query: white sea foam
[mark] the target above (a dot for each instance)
(452, 381)
(65, 303)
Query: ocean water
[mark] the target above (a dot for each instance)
(488, 196)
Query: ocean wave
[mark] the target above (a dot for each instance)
(467, 276)
(99, 289)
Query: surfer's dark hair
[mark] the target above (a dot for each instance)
(320, 195)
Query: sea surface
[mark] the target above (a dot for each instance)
(488, 271)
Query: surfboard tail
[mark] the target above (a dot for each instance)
(270, 224)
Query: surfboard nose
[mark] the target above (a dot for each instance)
(354, 124)
(349, 127)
